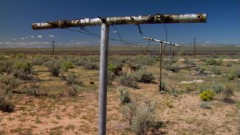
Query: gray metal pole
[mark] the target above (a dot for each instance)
(103, 79)
(53, 47)
(160, 68)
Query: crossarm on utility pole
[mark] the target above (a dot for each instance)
(149, 19)
(160, 41)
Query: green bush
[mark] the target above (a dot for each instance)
(6, 66)
(124, 96)
(218, 88)
(67, 65)
(71, 79)
(228, 93)
(39, 60)
(216, 71)
(231, 76)
(91, 66)
(9, 83)
(205, 105)
(23, 70)
(188, 61)
(54, 66)
(212, 61)
(141, 117)
(171, 67)
(128, 80)
(238, 73)
(144, 76)
(6, 103)
(111, 67)
(207, 95)
(111, 76)
(202, 88)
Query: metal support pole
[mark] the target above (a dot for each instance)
(103, 79)
(160, 68)
(194, 48)
(53, 47)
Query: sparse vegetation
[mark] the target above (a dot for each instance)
(207, 95)
(54, 66)
(124, 96)
(205, 105)
(91, 66)
(228, 93)
(74, 96)
(141, 117)
(6, 103)
(231, 76)
(128, 80)
(218, 88)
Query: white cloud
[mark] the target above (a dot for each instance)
(32, 36)
(22, 38)
(39, 36)
(207, 42)
(52, 36)
(14, 39)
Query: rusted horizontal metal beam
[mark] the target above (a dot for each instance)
(149, 19)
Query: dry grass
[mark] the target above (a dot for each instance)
(179, 109)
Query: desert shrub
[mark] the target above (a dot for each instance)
(207, 95)
(205, 105)
(228, 93)
(216, 71)
(39, 60)
(67, 65)
(212, 61)
(141, 117)
(229, 64)
(54, 66)
(171, 67)
(6, 66)
(72, 91)
(190, 88)
(202, 88)
(8, 83)
(144, 76)
(125, 96)
(188, 61)
(231, 76)
(135, 66)
(6, 103)
(218, 88)
(128, 80)
(163, 86)
(111, 67)
(23, 70)
(238, 73)
(91, 66)
(71, 79)
(111, 76)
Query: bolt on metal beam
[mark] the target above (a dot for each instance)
(149, 19)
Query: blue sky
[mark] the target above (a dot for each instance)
(16, 17)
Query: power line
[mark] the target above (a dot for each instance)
(86, 32)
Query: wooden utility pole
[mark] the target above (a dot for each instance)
(105, 22)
